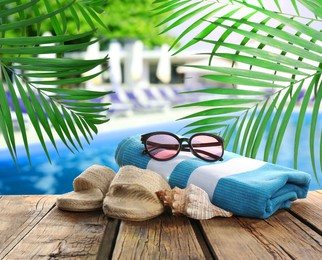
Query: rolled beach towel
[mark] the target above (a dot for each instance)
(244, 186)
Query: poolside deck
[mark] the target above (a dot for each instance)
(32, 227)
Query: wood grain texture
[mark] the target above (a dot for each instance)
(165, 237)
(108, 241)
(286, 236)
(31, 227)
(310, 210)
(282, 236)
(228, 239)
(63, 235)
(19, 215)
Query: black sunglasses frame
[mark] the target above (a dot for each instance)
(184, 147)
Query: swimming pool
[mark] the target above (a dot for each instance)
(57, 178)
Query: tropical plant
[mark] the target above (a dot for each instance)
(35, 86)
(132, 19)
(124, 19)
(276, 55)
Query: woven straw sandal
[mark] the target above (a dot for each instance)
(90, 188)
(132, 194)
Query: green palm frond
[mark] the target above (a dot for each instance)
(276, 57)
(35, 88)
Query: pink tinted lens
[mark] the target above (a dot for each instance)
(162, 146)
(207, 147)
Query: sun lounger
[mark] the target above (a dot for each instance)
(141, 101)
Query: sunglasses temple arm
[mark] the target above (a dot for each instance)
(207, 144)
(165, 146)
(219, 158)
(187, 149)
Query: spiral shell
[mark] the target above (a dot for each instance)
(192, 202)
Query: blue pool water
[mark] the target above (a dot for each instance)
(56, 178)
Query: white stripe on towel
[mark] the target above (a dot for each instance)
(207, 176)
(165, 168)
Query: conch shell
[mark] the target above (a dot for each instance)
(192, 202)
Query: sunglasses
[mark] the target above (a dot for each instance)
(163, 146)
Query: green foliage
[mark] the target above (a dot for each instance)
(80, 16)
(118, 19)
(35, 87)
(132, 19)
(273, 51)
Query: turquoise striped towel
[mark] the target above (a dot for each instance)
(244, 186)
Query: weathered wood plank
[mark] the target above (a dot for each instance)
(310, 209)
(287, 236)
(282, 236)
(63, 235)
(30, 226)
(229, 240)
(18, 215)
(165, 237)
(108, 241)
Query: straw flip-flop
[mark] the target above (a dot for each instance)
(90, 188)
(132, 194)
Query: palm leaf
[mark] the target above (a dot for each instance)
(6, 114)
(86, 16)
(240, 128)
(75, 17)
(230, 129)
(32, 116)
(278, 44)
(61, 122)
(17, 9)
(278, 33)
(274, 53)
(45, 50)
(54, 122)
(69, 113)
(227, 33)
(267, 55)
(284, 122)
(261, 63)
(6, 124)
(212, 120)
(314, 6)
(204, 32)
(244, 73)
(27, 22)
(192, 26)
(254, 129)
(263, 126)
(301, 117)
(72, 127)
(313, 131)
(54, 21)
(18, 113)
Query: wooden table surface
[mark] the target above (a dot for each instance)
(32, 227)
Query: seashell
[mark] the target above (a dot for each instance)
(192, 202)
